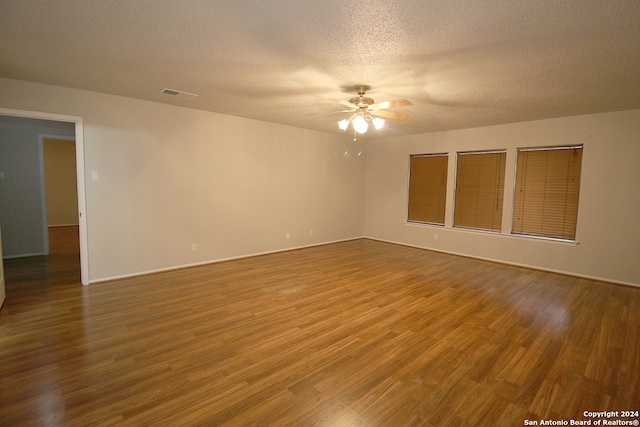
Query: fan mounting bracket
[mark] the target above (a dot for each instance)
(362, 89)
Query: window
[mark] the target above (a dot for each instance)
(546, 191)
(479, 190)
(427, 188)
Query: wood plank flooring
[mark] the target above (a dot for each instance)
(359, 333)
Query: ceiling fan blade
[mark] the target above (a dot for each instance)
(390, 115)
(348, 104)
(390, 104)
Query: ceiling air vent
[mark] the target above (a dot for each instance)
(177, 93)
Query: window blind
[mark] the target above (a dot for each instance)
(547, 190)
(427, 188)
(479, 190)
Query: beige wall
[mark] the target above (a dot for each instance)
(608, 231)
(60, 181)
(170, 177)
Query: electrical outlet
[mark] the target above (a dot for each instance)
(435, 236)
(310, 232)
(287, 236)
(194, 247)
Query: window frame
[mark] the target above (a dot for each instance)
(444, 200)
(501, 151)
(515, 189)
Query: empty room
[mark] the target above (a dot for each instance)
(286, 213)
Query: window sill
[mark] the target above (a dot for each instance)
(494, 233)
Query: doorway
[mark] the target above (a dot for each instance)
(76, 123)
(60, 218)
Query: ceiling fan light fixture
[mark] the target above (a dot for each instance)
(360, 124)
(364, 109)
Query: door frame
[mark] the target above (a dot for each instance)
(80, 174)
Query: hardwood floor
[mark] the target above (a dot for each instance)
(359, 333)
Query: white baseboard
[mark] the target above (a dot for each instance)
(197, 264)
(515, 264)
(23, 255)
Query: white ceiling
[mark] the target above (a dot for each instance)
(462, 63)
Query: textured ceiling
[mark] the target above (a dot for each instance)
(461, 63)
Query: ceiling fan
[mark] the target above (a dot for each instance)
(365, 110)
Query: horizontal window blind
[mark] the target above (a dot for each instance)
(547, 190)
(427, 188)
(479, 190)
